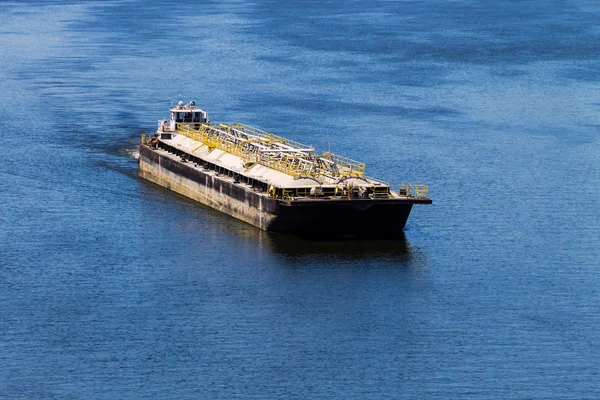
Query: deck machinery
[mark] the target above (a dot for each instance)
(272, 182)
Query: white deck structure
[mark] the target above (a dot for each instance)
(282, 164)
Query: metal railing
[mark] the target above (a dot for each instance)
(345, 166)
(418, 191)
(284, 155)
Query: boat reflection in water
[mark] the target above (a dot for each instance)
(294, 247)
(202, 224)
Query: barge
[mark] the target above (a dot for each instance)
(271, 182)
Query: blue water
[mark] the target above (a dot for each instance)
(114, 288)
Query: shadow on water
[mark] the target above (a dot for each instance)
(296, 248)
(208, 225)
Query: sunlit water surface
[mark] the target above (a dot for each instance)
(111, 287)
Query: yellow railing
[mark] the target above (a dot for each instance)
(303, 191)
(228, 138)
(414, 190)
(422, 191)
(283, 166)
(288, 194)
(345, 166)
(269, 137)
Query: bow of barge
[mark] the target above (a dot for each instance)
(271, 182)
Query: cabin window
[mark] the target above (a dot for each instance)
(189, 117)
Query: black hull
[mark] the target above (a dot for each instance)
(343, 218)
(318, 218)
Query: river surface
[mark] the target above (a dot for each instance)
(115, 288)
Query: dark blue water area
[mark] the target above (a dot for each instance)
(112, 287)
